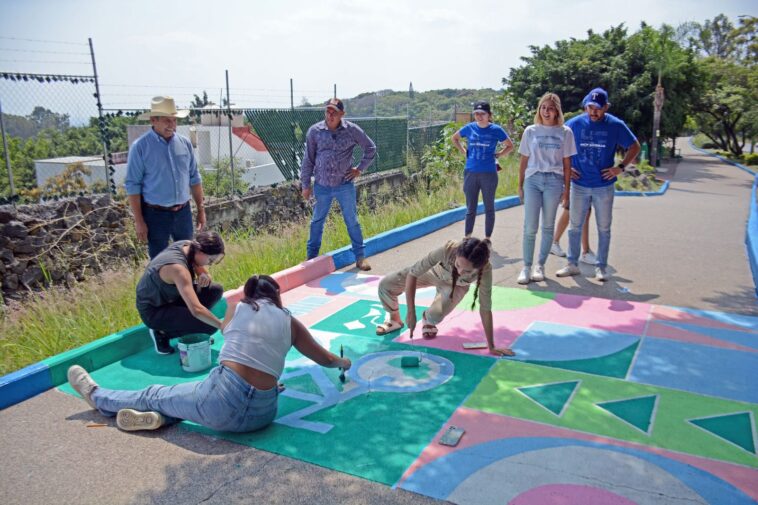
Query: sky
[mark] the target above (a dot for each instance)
(179, 48)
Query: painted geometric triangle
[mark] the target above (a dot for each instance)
(734, 428)
(638, 412)
(554, 397)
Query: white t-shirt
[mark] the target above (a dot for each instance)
(546, 147)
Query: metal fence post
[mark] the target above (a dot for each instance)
(229, 117)
(7, 157)
(107, 159)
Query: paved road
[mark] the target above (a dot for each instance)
(685, 248)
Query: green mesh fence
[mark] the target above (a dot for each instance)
(419, 138)
(283, 132)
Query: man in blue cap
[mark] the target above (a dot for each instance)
(597, 135)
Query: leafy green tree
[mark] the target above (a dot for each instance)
(221, 182)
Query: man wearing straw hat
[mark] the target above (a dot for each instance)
(161, 175)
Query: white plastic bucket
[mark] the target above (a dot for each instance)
(195, 352)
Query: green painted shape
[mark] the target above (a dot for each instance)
(498, 394)
(736, 428)
(551, 396)
(635, 411)
(510, 298)
(376, 435)
(359, 312)
(612, 365)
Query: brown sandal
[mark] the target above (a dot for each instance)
(429, 331)
(388, 327)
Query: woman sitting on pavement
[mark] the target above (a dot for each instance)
(175, 294)
(240, 394)
(451, 269)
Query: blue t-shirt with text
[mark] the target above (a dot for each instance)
(596, 143)
(482, 142)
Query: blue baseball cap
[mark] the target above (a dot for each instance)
(598, 97)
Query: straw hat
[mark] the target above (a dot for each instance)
(163, 106)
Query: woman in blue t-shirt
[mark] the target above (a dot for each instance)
(482, 138)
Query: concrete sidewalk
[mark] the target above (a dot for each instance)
(685, 248)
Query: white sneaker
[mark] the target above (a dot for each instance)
(82, 383)
(568, 270)
(134, 420)
(556, 249)
(588, 258)
(601, 275)
(523, 277)
(538, 273)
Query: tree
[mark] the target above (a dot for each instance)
(45, 118)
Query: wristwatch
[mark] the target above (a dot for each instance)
(621, 166)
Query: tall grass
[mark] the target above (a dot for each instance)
(57, 319)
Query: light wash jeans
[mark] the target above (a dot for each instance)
(473, 183)
(345, 196)
(601, 200)
(223, 402)
(542, 193)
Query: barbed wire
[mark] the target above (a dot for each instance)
(46, 41)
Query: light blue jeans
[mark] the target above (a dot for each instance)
(542, 194)
(223, 402)
(601, 200)
(345, 196)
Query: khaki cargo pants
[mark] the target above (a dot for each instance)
(392, 285)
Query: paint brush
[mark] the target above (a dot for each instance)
(342, 370)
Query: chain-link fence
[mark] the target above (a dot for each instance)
(58, 140)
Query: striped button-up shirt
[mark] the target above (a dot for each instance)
(329, 153)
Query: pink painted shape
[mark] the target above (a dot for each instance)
(569, 494)
(304, 272)
(659, 330)
(482, 427)
(663, 313)
(597, 313)
(292, 277)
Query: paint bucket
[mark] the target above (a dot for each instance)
(195, 352)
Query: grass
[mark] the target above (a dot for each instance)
(57, 319)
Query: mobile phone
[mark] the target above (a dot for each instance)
(474, 345)
(452, 436)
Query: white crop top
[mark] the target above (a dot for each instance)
(258, 339)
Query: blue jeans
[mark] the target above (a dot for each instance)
(601, 200)
(223, 402)
(473, 183)
(542, 193)
(345, 196)
(164, 224)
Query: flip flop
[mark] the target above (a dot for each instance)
(388, 327)
(429, 331)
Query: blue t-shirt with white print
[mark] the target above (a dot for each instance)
(596, 143)
(481, 145)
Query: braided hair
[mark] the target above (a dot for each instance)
(478, 253)
(261, 287)
(207, 242)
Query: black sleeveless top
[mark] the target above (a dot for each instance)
(152, 291)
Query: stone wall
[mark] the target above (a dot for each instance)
(63, 242)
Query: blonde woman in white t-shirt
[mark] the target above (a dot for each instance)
(544, 176)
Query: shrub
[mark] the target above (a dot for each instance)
(750, 159)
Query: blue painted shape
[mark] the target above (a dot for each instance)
(442, 476)
(23, 384)
(725, 160)
(393, 238)
(664, 187)
(713, 371)
(750, 323)
(558, 342)
(751, 234)
(307, 304)
(732, 336)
